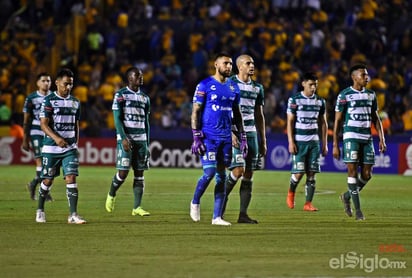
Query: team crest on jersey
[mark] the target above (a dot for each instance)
(239, 158)
(232, 88)
(211, 156)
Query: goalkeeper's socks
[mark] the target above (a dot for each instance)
(219, 196)
(201, 187)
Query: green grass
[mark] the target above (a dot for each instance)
(168, 244)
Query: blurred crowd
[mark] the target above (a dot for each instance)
(174, 41)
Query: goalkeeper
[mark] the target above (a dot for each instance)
(214, 101)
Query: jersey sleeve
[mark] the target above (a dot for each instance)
(292, 106)
(46, 109)
(200, 93)
(340, 103)
(260, 100)
(28, 105)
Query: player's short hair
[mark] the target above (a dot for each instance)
(222, 54)
(40, 75)
(131, 70)
(65, 72)
(356, 67)
(310, 75)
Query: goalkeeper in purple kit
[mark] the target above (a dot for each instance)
(215, 102)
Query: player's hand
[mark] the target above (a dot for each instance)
(127, 145)
(336, 152)
(197, 146)
(292, 148)
(25, 145)
(325, 150)
(382, 146)
(61, 142)
(243, 144)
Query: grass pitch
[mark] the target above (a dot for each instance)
(168, 244)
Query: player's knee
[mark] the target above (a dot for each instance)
(122, 175)
(209, 173)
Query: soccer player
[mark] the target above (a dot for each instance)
(306, 122)
(131, 108)
(33, 135)
(59, 120)
(356, 107)
(214, 101)
(251, 103)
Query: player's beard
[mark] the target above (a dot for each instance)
(224, 73)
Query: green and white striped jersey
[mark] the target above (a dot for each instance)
(63, 115)
(251, 95)
(357, 107)
(131, 111)
(307, 111)
(32, 105)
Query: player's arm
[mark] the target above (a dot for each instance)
(290, 128)
(27, 121)
(323, 125)
(336, 130)
(196, 116)
(238, 119)
(378, 125)
(44, 124)
(261, 129)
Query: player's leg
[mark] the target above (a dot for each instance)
(297, 172)
(237, 170)
(312, 164)
(36, 145)
(223, 160)
(50, 169)
(123, 164)
(367, 160)
(245, 190)
(219, 192)
(310, 187)
(140, 163)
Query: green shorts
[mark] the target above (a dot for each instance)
(37, 144)
(358, 152)
(69, 161)
(252, 155)
(307, 158)
(137, 158)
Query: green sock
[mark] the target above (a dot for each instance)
(293, 184)
(346, 195)
(245, 194)
(138, 188)
(72, 196)
(361, 183)
(354, 193)
(310, 190)
(43, 193)
(230, 183)
(116, 183)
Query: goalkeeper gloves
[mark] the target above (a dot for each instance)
(197, 146)
(243, 144)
